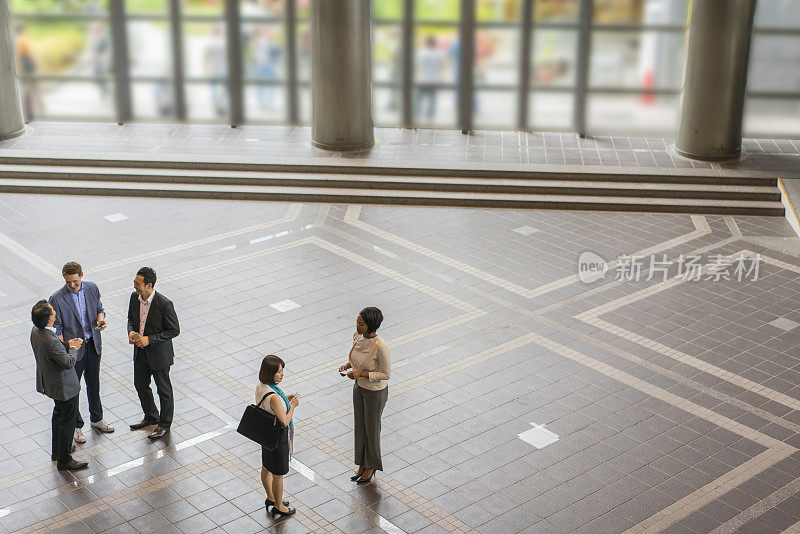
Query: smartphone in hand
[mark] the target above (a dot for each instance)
(136, 337)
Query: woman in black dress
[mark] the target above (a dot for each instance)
(275, 463)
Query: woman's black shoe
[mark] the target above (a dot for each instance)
(289, 511)
(356, 476)
(362, 481)
(269, 503)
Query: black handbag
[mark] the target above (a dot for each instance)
(261, 426)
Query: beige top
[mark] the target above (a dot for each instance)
(371, 355)
(261, 390)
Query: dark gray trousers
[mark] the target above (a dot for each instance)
(367, 411)
(63, 426)
(141, 381)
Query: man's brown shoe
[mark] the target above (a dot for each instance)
(158, 432)
(143, 423)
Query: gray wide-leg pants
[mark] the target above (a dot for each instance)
(367, 411)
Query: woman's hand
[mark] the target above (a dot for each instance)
(293, 401)
(353, 374)
(344, 368)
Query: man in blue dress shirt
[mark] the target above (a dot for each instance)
(79, 314)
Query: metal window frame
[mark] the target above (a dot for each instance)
(233, 38)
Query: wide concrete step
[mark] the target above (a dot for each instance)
(347, 166)
(397, 183)
(391, 196)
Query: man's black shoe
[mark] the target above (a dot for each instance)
(143, 423)
(73, 466)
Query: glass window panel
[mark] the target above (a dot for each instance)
(555, 10)
(554, 57)
(774, 63)
(62, 99)
(435, 107)
(203, 7)
(550, 111)
(636, 60)
(264, 52)
(495, 109)
(498, 10)
(265, 103)
(262, 8)
(146, 6)
(386, 102)
(153, 100)
(387, 9)
(73, 7)
(632, 114)
(207, 101)
(54, 47)
(768, 117)
(640, 11)
(386, 53)
(777, 14)
(303, 46)
(618, 11)
(437, 10)
(150, 48)
(497, 56)
(304, 104)
(205, 50)
(302, 9)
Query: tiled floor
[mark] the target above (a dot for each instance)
(392, 146)
(676, 402)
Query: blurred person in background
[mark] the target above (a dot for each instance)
(26, 66)
(430, 65)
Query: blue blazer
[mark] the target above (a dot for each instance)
(68, 324)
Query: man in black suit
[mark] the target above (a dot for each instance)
(56, 378)
(152, 323)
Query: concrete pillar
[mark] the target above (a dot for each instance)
(341, 74)
(715, 79)
(12, 123)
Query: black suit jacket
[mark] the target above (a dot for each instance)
(161, 326)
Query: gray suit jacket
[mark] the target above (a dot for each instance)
(55, 367)
(68, 324)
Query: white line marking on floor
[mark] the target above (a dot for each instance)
(538, 436)
(116, 217)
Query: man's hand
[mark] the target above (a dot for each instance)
(143, 342)
(101, 322)
(131, 336)
(75, 343)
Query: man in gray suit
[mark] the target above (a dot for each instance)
(80, 314)
(56, 378)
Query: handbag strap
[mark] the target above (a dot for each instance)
(265, 396)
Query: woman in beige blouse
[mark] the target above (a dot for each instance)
(369, 366)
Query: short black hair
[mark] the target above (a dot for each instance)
(148, 274)
(270, 365)
(40, 314)
(373, 317)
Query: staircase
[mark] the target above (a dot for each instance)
(359, 182)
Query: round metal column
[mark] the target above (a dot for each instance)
(341, 74)
(715, 79)
(12, 123)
